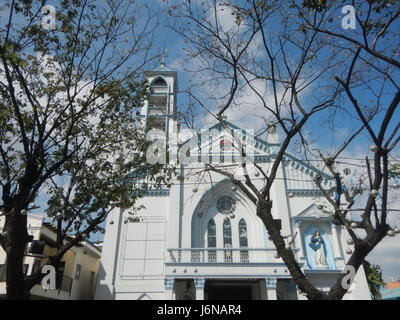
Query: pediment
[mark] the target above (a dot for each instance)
(218, 140)
(301, 175)
(313, 212)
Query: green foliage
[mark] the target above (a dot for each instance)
(395, 169)
(374, 278)
(69, 100)
(317, 5)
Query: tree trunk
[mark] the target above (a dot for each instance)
(356, 260)
(15, 277)
(264, 212)
(16, 230)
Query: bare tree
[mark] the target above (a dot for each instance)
(372, 67)
(70, 88)
(277, 51)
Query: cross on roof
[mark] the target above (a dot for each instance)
(164, 54)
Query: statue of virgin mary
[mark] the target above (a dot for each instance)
(317, 244)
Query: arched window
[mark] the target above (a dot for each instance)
(243, 233)
(243, 242)
(159, 96)
(211, 234)
(159, 82)
(227, 234)
(211, 240)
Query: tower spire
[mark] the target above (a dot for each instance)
(272, 135)
(164, 54)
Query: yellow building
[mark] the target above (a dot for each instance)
(77, 274)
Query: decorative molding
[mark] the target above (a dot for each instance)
(169, 283)
(288, 158)
(199, 283)
(158, 193)
(312, 213)
(334, 271)
(261, 148)
(224, 264)
(306, 192)
(153, 192)
(296, 223)
(262, 159)
(271, 283)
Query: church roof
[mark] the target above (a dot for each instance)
(300, 174)
(162, 68)
(259, 143)
(264, 150)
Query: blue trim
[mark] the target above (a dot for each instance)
(307, 166)
(227, 249)
(307, 192)
(226, 264)
(152, 193)
(237, 276)
(310, 252)
(158, 192)
(334, 271)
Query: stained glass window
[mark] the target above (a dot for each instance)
(226, 204)
(211, 234)
(242, 233)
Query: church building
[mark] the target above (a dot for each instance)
(201, 239)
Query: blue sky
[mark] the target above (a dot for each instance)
(324, 136)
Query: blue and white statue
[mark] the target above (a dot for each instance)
(317, 244)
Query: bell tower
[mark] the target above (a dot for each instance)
(159, 111)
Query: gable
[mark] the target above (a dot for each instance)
(216, 141)
(312, 212)
(300, 176)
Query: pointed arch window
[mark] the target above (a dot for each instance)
(243, 241)
(159, 86)
(227, 234)
(211, 234)
(159, 82)
(212, 240)
(159, 95)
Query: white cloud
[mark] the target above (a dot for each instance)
(387, 255)
(225, 17)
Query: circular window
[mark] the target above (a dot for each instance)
(226, 204)
(225, 144)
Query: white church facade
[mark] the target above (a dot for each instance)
(201, 238)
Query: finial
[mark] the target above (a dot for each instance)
(164, 54)
(271, 127)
